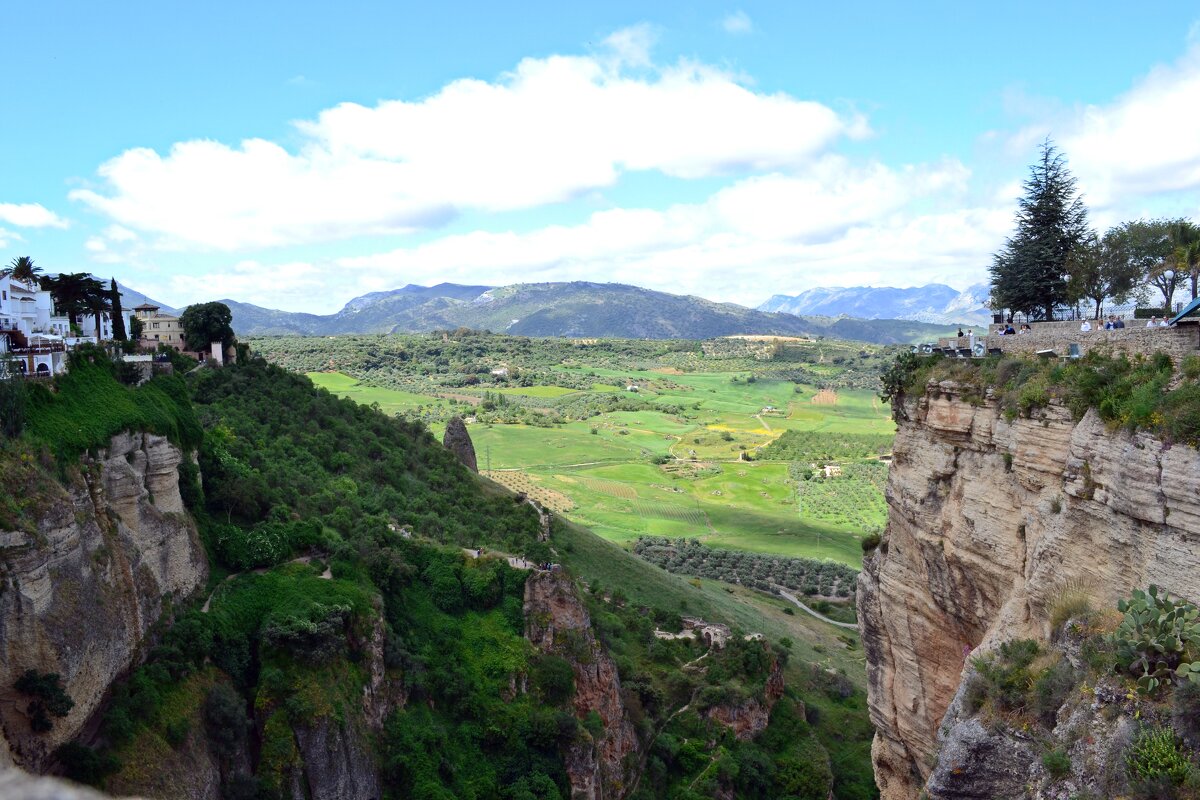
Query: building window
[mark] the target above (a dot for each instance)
(156, 325)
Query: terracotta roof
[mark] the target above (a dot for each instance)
(146, 307)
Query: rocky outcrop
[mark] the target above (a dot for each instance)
(749, 717)
(556, 621)
(338, 764)
(458, 441)
(78, 593)
(989, 520)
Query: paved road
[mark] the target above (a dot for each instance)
(789, 596)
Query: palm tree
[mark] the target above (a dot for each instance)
(1185, 257)
(23, 269)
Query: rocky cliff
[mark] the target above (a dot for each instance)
(556, 621)
(990, 521)
(458, 441)
(80, 588)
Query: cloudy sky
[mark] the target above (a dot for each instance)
(296, 155)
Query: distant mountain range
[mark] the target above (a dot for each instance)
(934, 303)
(577, 309)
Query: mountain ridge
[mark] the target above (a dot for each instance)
(934, 303)
(583, 309)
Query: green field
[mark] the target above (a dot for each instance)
(607, 466)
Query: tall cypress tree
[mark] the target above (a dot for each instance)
(1030, 272)
(118, 318)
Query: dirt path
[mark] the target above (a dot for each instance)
(789, 596)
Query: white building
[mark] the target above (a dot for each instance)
(33, 338)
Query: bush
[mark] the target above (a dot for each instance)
(1003, 678)
(1050, 691)
(1057, 763)
(554, 678)
(82, 764)
(12, 407)
(48, 695)
(1157, 759)
(870, 542)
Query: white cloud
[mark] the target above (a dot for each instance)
(7, 238)
(833, 224)
(30, 215)
(552, 129)
(1143, 143)
(738, 22)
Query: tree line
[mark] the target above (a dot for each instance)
(1056, 259)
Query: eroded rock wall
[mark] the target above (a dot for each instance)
(80, 592)
(556, 621)
(988, 521)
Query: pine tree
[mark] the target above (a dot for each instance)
(1030, 272)
(118, 318)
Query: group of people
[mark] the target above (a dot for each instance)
(1115, 323)
(1009, 330)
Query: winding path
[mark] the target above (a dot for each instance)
(789, 596)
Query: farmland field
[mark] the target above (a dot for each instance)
(648, 450)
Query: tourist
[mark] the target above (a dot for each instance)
(960, 333)
(1153, 323)
(1162, 323)
(1086, 327)
(1118, 324)
(1008, 330)
(1025, 329)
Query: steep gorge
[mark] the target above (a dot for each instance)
(990, 520)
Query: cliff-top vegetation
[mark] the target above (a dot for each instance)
(1149, 393)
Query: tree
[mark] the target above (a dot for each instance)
(1029, 274)
(205, 323)
(1185, 255)
(23, 269)
(136, 327)
(1148, 244)
(97, 304)
(118, 318)
(1100, 268)
(75, 293)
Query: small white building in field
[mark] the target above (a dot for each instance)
(833, 470)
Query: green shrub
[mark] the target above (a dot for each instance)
(1057, 763)
(1051, 689)
(1003, 678)
(12, 406)
(49, 698)
(870, 542)
(1157, 758)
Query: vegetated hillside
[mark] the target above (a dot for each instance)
(348, 647)
(577, 309)
(935, 302)
(1027, 499)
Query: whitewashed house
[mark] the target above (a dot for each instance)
(33, 338)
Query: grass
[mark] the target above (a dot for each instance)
(603, 468)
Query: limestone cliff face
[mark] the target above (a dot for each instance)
(557, 621)
(988, 521)
(78, 594)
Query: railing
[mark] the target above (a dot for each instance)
(1088, 311)
(39, 349)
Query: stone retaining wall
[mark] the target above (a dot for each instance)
(1178, 341)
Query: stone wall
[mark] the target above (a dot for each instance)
(1178, 341)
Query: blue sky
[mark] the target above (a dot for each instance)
(295, 155)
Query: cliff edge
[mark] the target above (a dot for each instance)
(80, 587)
(990, 520)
